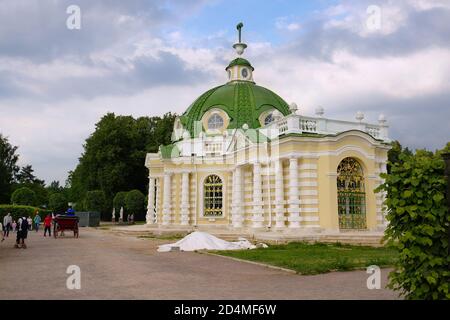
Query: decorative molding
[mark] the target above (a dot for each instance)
(311, 192)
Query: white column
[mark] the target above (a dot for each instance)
(237, 201)
(167, 205)
(150, 217)
(157, 201)
(185, 199)
(258, 213)
(294, 201)
(279, 195)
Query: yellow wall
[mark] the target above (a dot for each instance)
(318, 159)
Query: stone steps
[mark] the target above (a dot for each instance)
(368, 239)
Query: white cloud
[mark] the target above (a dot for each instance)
(49, 106)
(357, 18)
(286, 23)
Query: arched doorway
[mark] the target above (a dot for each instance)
(213, 196)
(351, 195)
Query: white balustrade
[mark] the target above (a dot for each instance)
(291, 124)
(303, 124)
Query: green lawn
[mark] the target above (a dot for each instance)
(306, 258)
(163, 237)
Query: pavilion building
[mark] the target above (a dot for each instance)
(242, 158)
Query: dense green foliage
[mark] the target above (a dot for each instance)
(134, 204)
(8, 168)
(306, 258)
(394, 154)
(114, 155)
(13, 177)
(57, 202)
(23, 196)
(79, 206)
(96, 201)
(26, 176)
(418, 224)
(54, 187)
(21, 211)
(40, 192)
(119, 200)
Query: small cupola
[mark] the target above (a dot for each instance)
(240, 69)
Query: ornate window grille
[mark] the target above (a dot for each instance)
(269, 119)
(213, 196)
(215, 122)
(351, 195)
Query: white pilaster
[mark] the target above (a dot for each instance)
(279, 195)
(258, 213)
(238, 198)
(150, 217)
(294, 200)
(167, 205)
(185, 199)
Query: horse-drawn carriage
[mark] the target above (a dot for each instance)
(66, 222)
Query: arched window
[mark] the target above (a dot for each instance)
(215, 122)
(268, 119)
(213, 196)
(269, 116)
(244, 73)
(351, 195)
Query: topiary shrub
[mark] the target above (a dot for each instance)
(58, 203)
(134, 204)
(119, 201)
(23, 196)
(418, 224)
(96, 201)
(21, 211)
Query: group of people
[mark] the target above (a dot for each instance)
(23, 225)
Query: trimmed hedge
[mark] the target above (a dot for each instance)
(134, 202)
(119, 200)
(96, 201)
(20, 211)
(23, 196)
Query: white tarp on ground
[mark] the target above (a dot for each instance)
(203, 240)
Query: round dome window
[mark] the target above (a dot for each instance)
(244, 73)
(215, 122)
(269, 119)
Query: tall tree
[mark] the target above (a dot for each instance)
(8, 168)
(114, 155)
(394, 154)
(26, 176)
(55, 187)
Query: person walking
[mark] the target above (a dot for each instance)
(22, 232)
(48, 225)
(7, 224)
(30, 223)
(14, 226)
(37, 222)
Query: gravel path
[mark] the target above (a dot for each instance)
(119, 267)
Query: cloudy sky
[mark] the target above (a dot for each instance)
(148, 57)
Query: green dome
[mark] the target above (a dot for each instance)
(239, 62)
(243, 101)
